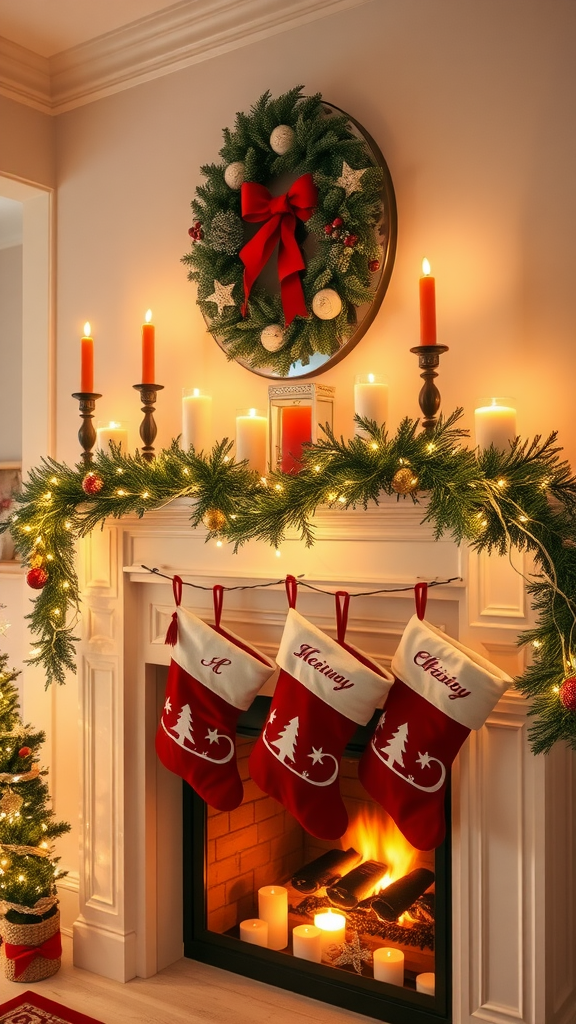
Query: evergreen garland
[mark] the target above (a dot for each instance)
(523, 498)
(322, 144)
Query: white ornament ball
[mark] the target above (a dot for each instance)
(234, 175)
(272, 338)
(326, 304)
(282, 139)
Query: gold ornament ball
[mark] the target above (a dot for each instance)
(11, 802)
(404, 481)
(326, 304)
(36, 560)
(282, 139)
(272, 338)
(214, 520)
(234, 175)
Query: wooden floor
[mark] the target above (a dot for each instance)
(185, 992)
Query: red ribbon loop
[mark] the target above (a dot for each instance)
(291, 590)
(24, 955)
(342, 604)
(420, 598)
(279, 215)
(218, 596)
(177, 589)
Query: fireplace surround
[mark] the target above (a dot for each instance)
(513, 844)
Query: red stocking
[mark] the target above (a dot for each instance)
(213, 676)
(441, 691)
(324, 691)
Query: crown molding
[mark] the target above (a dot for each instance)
(185, 34)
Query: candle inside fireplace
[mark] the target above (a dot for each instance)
(389, 965)
(255, 931)
(273, 908)
(332, 924)
(307, 942)
(427, 306)
(425, 983)
(296, 429)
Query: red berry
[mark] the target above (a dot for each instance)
(337, 222)
(327, 229)
(92, 483)
(373, 266)
(192, 232)
(350, 240)
(24, 752)
(37, 578)
(198, 225)
(568, 693)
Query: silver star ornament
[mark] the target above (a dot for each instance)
(221, 296)
(349, 180)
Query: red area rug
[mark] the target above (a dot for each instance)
(30, 1008)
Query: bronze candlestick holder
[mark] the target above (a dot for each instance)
(87, 434)
(429, 397)
(148, 428)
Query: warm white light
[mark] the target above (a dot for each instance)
(252, 412)
(87, 329)
(148, 316)
(278, 553)
(425, 267)
(371, 378)
(113, 426)
(196, 392)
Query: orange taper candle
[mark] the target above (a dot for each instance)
(427, 306)
(148, 350)
(87, 361)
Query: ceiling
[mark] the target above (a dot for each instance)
(50, 26)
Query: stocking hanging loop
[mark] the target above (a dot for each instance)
(342, 598)
(420, 599)
(218, 595)
(177, 589)
(291, 590)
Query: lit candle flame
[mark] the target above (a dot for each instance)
(87, 329)
(196, 393)
(425, 267)
(371, 378)
(148, 316)
(252, 412)
(113, 426)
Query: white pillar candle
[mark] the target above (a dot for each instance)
(495, 424)
(370, 399)
(332, 924)
(255, 931)
(273, 908)
(112, 431)
(425, 983)
(307, 942)
(389, 965)
(251, 429)
(196, 420)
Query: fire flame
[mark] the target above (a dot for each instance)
(373, 833)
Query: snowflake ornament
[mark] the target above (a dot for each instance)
(352, 953)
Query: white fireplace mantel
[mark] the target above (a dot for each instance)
(514, 842)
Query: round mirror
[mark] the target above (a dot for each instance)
(293, 238)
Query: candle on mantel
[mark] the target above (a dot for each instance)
(255, 931)
(389, 965)
(370, 399)
(112, 431)
(296, 429)
(87, 361)
(332, 924)
(495, 424)
(196, 419)
(427, 306)
(425, 983)
(307, 942)
(251, 428)
(148, 334)
(273, 908)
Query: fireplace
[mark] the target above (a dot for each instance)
(513, 843)
(230, 856)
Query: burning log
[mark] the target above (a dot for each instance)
(325, 870)
(356, 885)
(398, 897)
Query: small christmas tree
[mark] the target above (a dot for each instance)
(397, 746)
(28, 870)
(286, 742)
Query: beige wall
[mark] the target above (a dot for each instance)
(11, 353)
(473, 107)
(26, 143)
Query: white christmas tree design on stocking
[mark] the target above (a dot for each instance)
(286, 742)
(183, 727)
(397, 746)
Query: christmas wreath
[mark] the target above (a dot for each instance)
(331, 260)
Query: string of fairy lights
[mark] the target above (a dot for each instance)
(522, 499)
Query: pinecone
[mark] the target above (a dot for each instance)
(226, 233)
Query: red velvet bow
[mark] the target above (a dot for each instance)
(24, 955)
(279, 214)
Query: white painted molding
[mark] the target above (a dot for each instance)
(156, 45)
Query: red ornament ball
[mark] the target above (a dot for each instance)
(350, 240)
(568, 693)
(373, 266)
(327, 229)
(37, 578)
(92, 483)
(24, 752)
(337, 222)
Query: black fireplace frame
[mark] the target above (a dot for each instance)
(352, 992)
